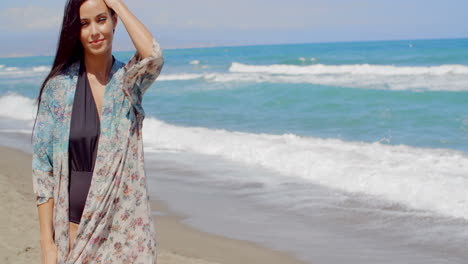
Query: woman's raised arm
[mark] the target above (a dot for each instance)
(145, 65)
(141, 37)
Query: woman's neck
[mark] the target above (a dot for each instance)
(98, 65)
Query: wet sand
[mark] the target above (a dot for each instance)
(178, 242)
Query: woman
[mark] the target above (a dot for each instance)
(88, 171)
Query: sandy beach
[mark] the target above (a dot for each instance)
(178, 242)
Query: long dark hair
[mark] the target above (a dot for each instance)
(69, 47)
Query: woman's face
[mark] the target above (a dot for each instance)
(97, 26)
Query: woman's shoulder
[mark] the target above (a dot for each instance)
(55, 85)
(118, 69)
(54, 82)
(64, 75)
(118, 65)
(67, 71)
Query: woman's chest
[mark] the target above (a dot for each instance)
(117, 117)
(97, 90)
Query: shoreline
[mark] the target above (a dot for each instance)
(178, 242)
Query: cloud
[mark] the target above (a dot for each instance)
(30, 18)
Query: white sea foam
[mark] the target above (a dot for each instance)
(434, 78)
(14, 106)
(41, 69)
(179, 77)
(194, 62)
(23, 72)
(428, 179)
(403, 82)
(11, 69)
(355, 69)
(16, 131)
(422, 178)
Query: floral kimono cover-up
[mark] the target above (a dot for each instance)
(116, 225)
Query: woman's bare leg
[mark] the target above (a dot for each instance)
(72, 231)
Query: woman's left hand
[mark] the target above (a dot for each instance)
(112, 3)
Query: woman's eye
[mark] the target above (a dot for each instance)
(102, 19)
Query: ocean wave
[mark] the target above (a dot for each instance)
(384, 77)
(422, 178)
(427, 179)
(23, 72)
(378, 82)
(15, 106)
(355, 69)
(387, 77)
(179, 77)
(16, 131)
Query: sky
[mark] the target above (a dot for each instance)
(32, 27)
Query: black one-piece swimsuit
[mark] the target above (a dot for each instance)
(84, 136)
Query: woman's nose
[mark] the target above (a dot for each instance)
(94, 29)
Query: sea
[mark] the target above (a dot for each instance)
(347, 152)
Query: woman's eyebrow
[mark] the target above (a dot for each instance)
(98, 15)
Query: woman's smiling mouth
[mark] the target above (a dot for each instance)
(96, 41)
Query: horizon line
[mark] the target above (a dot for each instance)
(203, 46)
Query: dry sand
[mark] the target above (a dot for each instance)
(178, 242)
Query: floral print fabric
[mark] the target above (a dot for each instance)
(116, 225)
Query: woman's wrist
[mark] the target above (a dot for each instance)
(47, 245)
(46, 240)
(118, 7)
(114, 4)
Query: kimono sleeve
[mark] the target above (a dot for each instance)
(42, 156)
(141, 73)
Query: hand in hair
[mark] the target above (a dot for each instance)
(112, 3)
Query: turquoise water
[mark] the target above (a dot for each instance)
(429, 119)
(421, 114)
(312, 101)
(358, 107)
